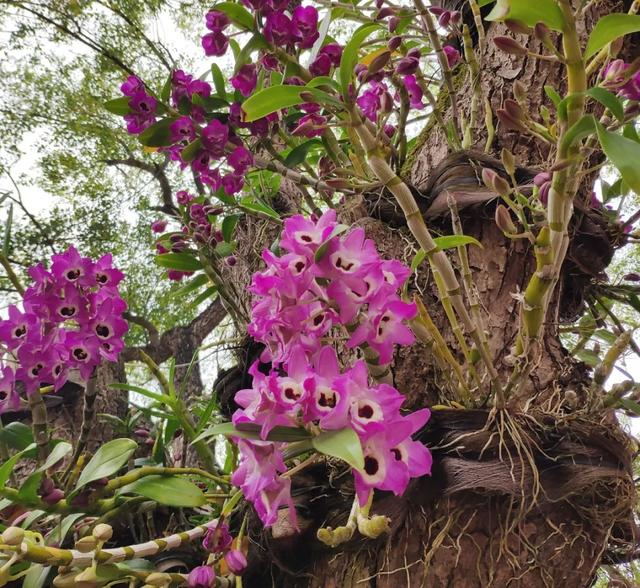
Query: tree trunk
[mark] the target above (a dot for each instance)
(531, 496)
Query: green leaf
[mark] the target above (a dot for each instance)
(36, 576)
(59, 532)
(589, 357)
(168, 490)
(161, 398)
(608, 100)
(190, 152)
(630, 405)
(582, 128)
(630, 132)
(257, 41)
(192, 285)
(158, 134)
(119, 106)
(7, 467)
(418, 258)
(624, 154)
(322, 250)
(228, 226)
(299, 154)
(237, 14)
(218, 81)
(550, 91)
(609, 28)
(250, 204)
(250, 431)
(165, 92)
(208, 293)
(343, 444)
(29, 490)
(275, 98)
(183, 262)
(450, 241)
(59, 452)
(350, 55)
(482, 3)
(209, 103)
(16, 435)
(107, 460)
(529, 12)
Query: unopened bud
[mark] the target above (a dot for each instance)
(158, 579)
(517, 27)
(393, 24)
(236, 561)
(494, 182)
(55, 496)
(386, 102)
(508, 161)
(456, 17)
(384, 12)
(503, 220)
(12, 536)
(103, 532)
(394, 43)
(508, 121)
(541, 32)
(307, 96)
(509, 45)
(86, 544)
(378, 62)
(444, 18)
(519, 91)
(513, 109)
(144, 433)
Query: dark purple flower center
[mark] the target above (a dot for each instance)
(317, 320)
(327, 400)
(306, 238)
(68, 311)
(73, 275)
(103, 331)
(365, 411)
(291, 394)
(80, 354)
(396, 452)
(300, 266)
(346, 267)
(57, 370)
(3, 395)
(371, 465)
(35, 370)
(102, 278)
(21, 331)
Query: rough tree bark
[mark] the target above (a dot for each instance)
(520, 498)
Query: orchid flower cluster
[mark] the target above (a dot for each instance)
(325, 282)
(219, 543)
(71, 319)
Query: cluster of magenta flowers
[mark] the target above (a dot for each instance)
(616, 76)
(323, 284)
(71, 319)
(218, 542)
(143, 106)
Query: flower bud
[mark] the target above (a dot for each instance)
(541, 32)
(393, 23)
(12, 536)
(407, 66)
(394, 43)
(517, 27)
(201, 577)
(508, 121)
(103, 532)
(519, 91)
(503, 220)
(444, 18)
(158, 579)
(144, 433)
(384, 12)
(509, 45)
(508, 161)
(86, 544)
(632, 277)
(378, 62)
(540, 179)
(456, 17)
(494, 182)
(231, 260)
(414, 53)
(55, 496)
(436, 10)
(236, 561)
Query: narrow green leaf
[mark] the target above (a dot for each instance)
(250, 431)
(324, 246)
(418, 258)
(350, 55)
(323, 81)
(7, 467)
(630, 132)
(550, 91)
(158, 134)
(630, 405)
(36, 576)
(275, 98)
(624, 154)
(608, 100)
(183, 262)
(161, 398)
(209, 103)
(237, 14)
(343, 444)
(192, 285)
(16, 435)
(208, 293)
(168, 490)
(588, 356)
(249, 203)
(257, 41)
(228, 226)
(190, 152)
(299, 154)
(609, 28)
(529, 12)
(165, 92)
(582, 128)
(107, 460)
(218, 81)
(450, 241)
(119, 106)
(28, 492)
(59, 452)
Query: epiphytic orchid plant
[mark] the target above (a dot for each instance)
(334, 119)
